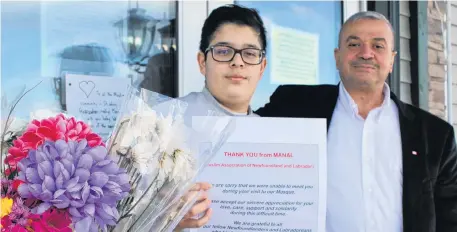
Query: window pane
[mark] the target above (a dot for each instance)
(301, 37)
(50, 40)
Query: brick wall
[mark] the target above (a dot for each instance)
(436, 58)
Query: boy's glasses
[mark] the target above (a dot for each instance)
(224, 53)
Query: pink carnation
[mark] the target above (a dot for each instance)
(53, 129)
(52, 220)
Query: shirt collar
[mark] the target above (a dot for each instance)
(210, 98)
(351, 107)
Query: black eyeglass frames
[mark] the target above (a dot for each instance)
(224, 53)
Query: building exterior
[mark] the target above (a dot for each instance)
(423, 52)
(35, 34)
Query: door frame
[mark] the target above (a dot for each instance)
(191, 16)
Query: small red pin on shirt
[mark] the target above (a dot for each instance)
(414, 153)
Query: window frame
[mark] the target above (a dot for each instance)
(391, 10)
(419, 50)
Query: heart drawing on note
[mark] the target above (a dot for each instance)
(87, 87)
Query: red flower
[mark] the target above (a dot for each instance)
(6, 222)
(78, 130)
(7, 226)
(52, 220)
(53, 129)
(16, 184)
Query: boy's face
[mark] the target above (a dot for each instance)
(233, 82)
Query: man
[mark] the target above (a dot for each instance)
(391, 166)
(232, 59)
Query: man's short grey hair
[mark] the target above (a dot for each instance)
(372, 15)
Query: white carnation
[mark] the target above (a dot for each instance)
(184, 166)
(164, 131)
(166, 166)
(144, 156)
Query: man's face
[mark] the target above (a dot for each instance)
(234, 81)
(365, 56)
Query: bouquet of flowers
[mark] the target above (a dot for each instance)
(60, 176)
(163, 151)
(57, 176)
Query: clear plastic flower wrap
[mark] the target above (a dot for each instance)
(154, 140)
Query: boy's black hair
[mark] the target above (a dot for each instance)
(232, 14)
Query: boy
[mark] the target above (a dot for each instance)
(232, 59)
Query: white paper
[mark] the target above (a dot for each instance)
(269, 176)
(95, 99)
(294, 56)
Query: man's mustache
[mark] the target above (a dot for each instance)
(364, 62)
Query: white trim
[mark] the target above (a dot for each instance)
(351, 7)
(191, 16)
(448, 52)
(363, 5)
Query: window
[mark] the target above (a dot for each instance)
(50, 40)
(301, 38)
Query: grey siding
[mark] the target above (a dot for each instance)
(454, 61)
(405, 54)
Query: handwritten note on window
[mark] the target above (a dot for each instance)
(96, 100)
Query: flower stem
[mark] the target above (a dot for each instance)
(150, 202)
(6, 123)
(115, 136)
(137, 180)
(142, 196)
